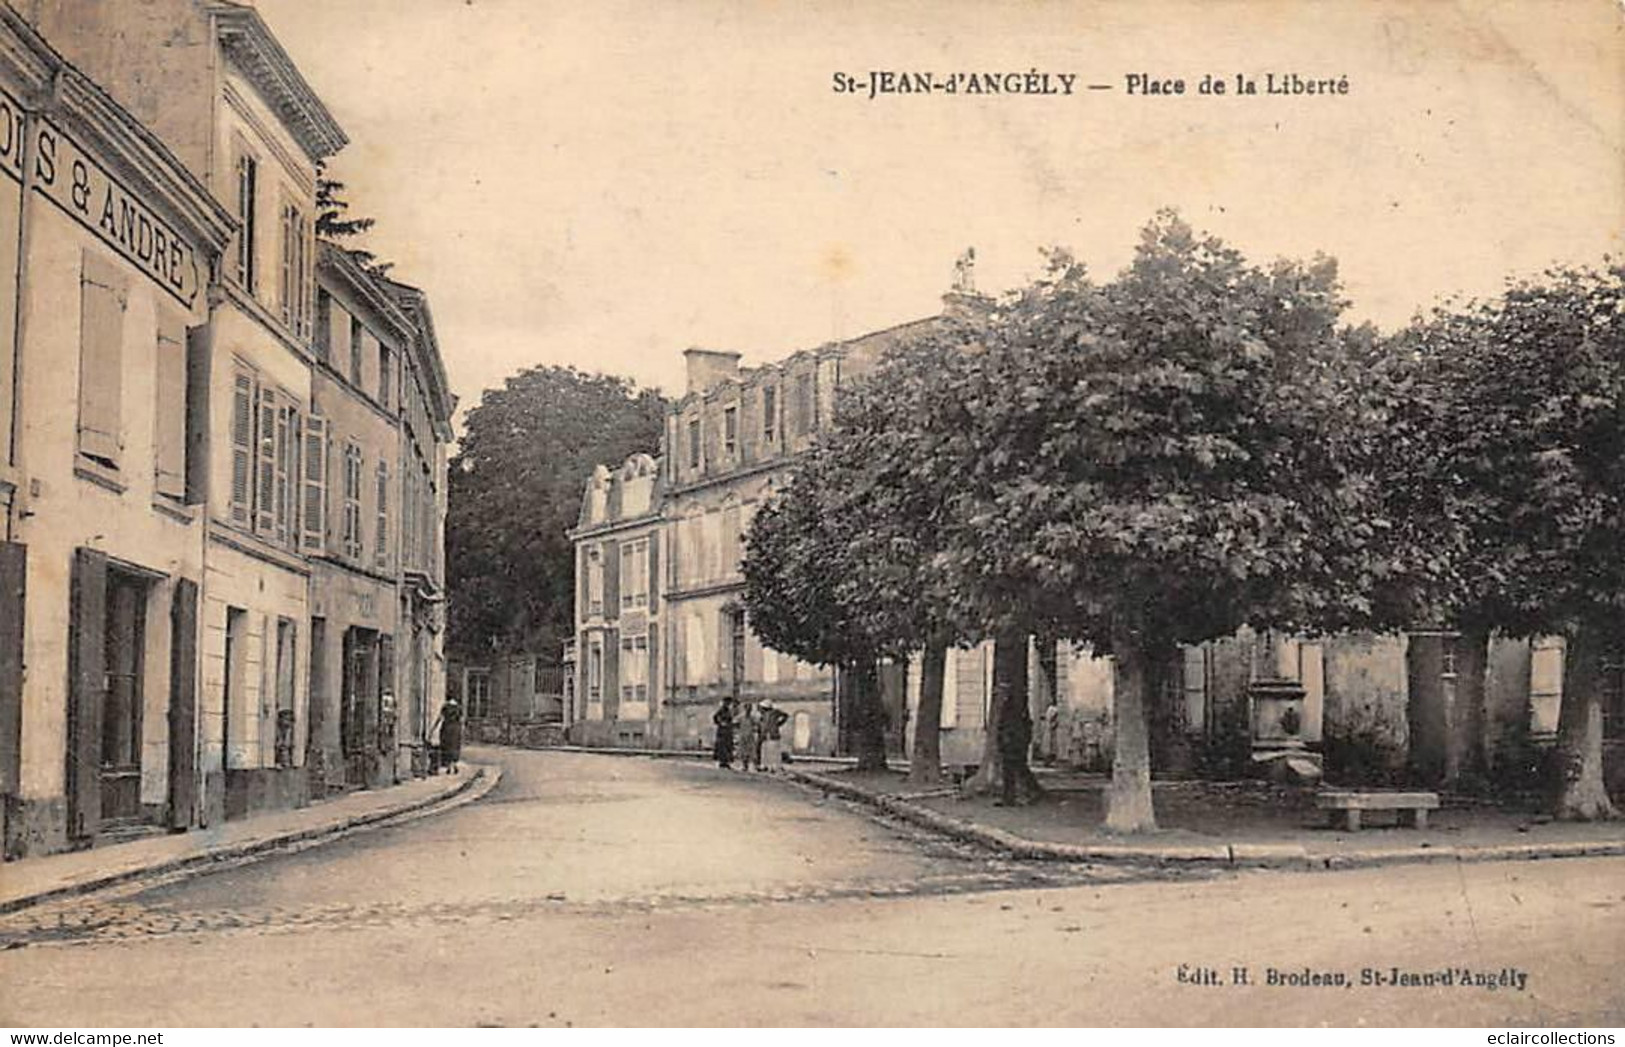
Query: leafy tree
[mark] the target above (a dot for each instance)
(795, 556)
(1161, 461)
(516, 486)
(334, 222)
(1523, 421)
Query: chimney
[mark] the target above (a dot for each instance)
(709, 367)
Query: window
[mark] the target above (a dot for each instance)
(770, 413)
(386, 375)
(694, 444)
(102, 301)
(595, 581)
(352, 501)
(635, 669)
(247, 191)
(355, 352)
(169, 407)
(324, 325)
(479, 695)
(267, 428)
(635, 573)
(286, 637)
(595, 671)
(381, 532)
(730, 431)
(294, 274)
(314, 523)
(806, 419)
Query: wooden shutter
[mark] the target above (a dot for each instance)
(285, 478)
(101, 335)
(612, 674)
(314, 516)
(381, 531)
(199, 358)
(87, 686)
(654, 572)
(242, 447)
(265, 462)
(169, 459)
(611, 562)
(183, 704)
(13, 581)
(654, 665)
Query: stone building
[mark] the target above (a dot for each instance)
(106, 245)
(352, 447)
(728, 444)
(175, 536)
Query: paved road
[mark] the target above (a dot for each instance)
(601, 890)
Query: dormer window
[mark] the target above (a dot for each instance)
(730, 431)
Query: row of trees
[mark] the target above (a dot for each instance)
(1200, 444)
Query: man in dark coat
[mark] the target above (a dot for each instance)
(451, 734)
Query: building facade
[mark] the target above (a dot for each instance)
(728, 445)
(178, 580)
(106, 246)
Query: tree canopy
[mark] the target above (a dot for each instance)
(517, 481)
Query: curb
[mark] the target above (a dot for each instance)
(1231, 855)
(472, 788)
(672, 754)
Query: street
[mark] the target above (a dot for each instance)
(599, 890)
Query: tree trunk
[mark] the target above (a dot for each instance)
(1009, 728)
(1582, 794)
(1128, 799)
(1468, 756)
(925, 759)
(869, 716)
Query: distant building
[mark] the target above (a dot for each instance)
(662, 635)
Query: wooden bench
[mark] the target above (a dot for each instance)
(1350, 804)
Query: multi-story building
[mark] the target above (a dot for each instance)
(106, 245)
(425, 407)
(210, 504)
(619, 596)
(653, 659)
(352, 447)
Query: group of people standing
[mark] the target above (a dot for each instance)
(758, 730)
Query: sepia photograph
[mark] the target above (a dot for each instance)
(736, 514)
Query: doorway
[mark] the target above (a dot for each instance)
(124, 635)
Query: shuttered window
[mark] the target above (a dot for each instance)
(265, 461)
(101, 334)
(247, 192)
(352, 501)
(380, 553)
(313, 525)
(169, 464)
(293, 287)
(242, 446)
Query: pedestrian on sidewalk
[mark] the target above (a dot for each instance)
(450, 741)
(772, 728)
(724, 718)
(750, 737)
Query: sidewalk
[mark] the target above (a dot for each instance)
(1218, 823)
(33, 880)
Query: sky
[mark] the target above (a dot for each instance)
(603, 184)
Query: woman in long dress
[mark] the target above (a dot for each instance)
(451, 734)
(724, 720)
